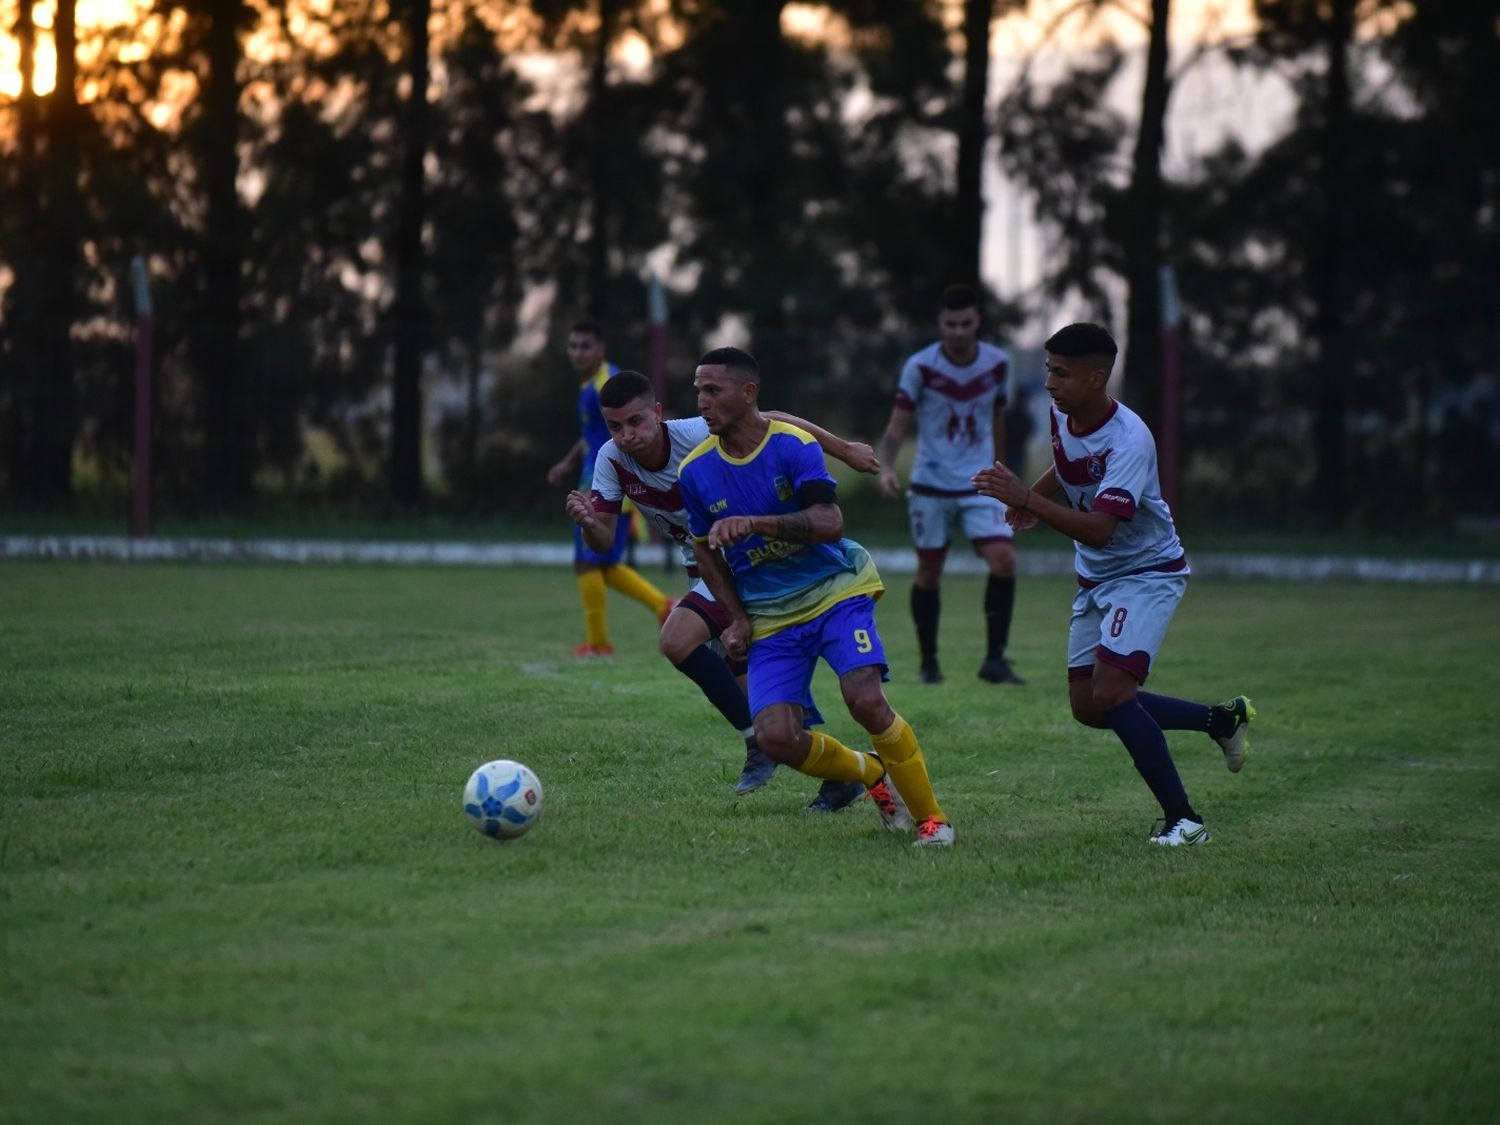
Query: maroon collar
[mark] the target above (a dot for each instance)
(1108, 414)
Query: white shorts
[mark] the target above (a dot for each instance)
(1123, 622)
(932, 519)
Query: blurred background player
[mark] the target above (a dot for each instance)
(796, 591)
(598, 567)
(956, 387)
(640, 463)
(1132, 572)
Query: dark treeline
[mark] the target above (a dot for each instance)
(368, 223)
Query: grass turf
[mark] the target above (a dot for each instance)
(235, 883)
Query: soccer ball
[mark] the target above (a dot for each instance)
(503, 799)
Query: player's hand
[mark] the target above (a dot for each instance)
(728, 532)
(890, 484)
(736, 637)
(559, 473)
(1001, 484)
(1020, 519)
(581, 509)
(861, 457)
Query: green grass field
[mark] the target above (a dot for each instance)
(236, 884)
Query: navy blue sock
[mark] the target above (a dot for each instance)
(1153, 761)
(1175, 714)
(999, 605)
(707, 669)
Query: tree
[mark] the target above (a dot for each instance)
(410, 311)
(972, 134)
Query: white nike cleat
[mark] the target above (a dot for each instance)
(891, 807)
(934, 833)
(1181, 832)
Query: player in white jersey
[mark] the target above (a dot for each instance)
(640, 463)
(956, 388)
(1131, 572)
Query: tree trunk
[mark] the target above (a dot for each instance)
(1143, 230)
(230, 417)
(1331, 496)
(758, 27)
(410, 308)
(50, 473)
(17, 369)
(599, 137)
(969, 198)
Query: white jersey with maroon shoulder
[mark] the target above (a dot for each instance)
(619, 476)
(955, 408)
(1112, 468)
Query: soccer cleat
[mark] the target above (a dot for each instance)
(666, 610)
(934, 833)
(835, 795)
(1234, 716)
(997, 670)
(890, 806)
(931, 673)
(759, 766)
(585, 651)
(1180, 832)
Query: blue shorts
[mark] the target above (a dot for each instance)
(583, 553)
(782, 665)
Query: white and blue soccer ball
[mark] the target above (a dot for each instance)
(503, 799)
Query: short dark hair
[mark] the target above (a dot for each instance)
(957, 297)
(589, 328)
(624, 387)
(736, 359)
(1078, 340)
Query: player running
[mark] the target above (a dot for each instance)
(639, 464)
(796, 591)
(1132, 572)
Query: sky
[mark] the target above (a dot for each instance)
(1014, 35)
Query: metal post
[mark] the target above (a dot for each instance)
(1171, 378)
(140, 482)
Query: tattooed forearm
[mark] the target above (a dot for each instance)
(794, 527)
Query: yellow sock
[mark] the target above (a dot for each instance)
(632, 585)
(829, 758)
(898, 748)
(591, 593)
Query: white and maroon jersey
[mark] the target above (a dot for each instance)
(619, 476)
(1112, 468)
(955, 408)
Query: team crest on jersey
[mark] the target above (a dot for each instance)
(783, 488)
(1094, 465)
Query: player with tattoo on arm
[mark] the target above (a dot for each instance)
(768, 538)
(640, 464)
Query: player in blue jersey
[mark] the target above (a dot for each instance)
(596, 569)
(1132, 572)
(767, 535)
(640, 464)
(955, 388)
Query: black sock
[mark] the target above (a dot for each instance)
(707, 669)
(1135, 727)
(999, 604)
(925, 608)
(1176, 714)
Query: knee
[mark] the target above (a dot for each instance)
(674, 648)
(1086, 713)
(870, 709)
(1002, 562)
(1106, 697)
(779, 737)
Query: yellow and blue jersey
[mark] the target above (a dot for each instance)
(591, 424)
(781, 583)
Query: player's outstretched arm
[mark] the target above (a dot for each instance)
(1092, 529)
(598, 527)
(856, 454)
(560, 472)
(887, 448)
